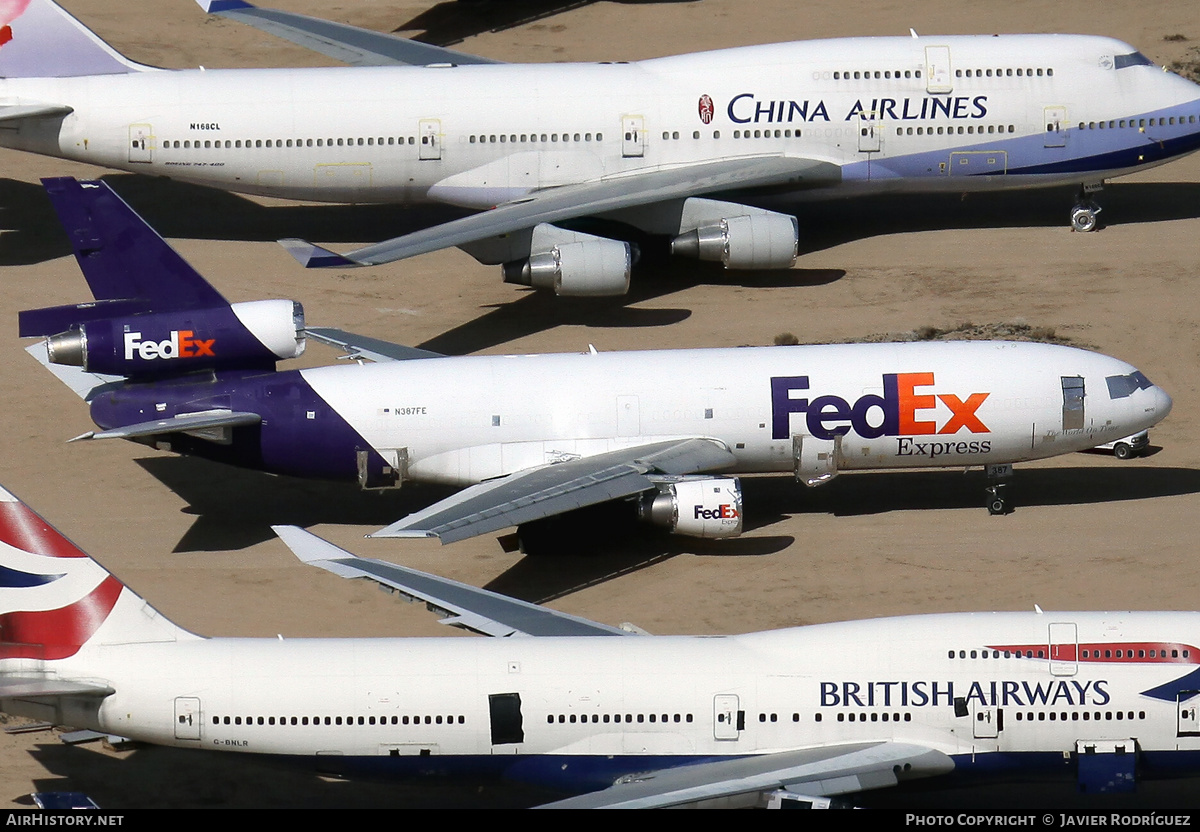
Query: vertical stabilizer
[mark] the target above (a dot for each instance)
(54, 599)
(120, 255)
(38, 39)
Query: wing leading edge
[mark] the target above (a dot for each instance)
(465, 606)
(348, 44)
(551, 489)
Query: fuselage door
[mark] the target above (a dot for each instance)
(1073, 402)
(633, 136)
(1056, 126)
(187, 718)
(1189, 713)
(1064, 650)
(938, 78)
(141, 143)
(870, 132)
(727, 719)
(430, 132)
(985, 720)
(504, 711)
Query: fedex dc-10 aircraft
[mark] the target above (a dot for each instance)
(622, 718)
(709, 150)
(163, 358)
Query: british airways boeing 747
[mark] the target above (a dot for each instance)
(618, 718)
(707, 149)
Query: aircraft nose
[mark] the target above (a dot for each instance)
(1162, 403)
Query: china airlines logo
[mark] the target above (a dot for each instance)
(10, 10)
(181, 344)
(706, 109)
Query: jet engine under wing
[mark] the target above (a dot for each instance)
(469, 607)
(820, 772)
(349, 44)
(585, 199)
(371, 349)
(558, 487)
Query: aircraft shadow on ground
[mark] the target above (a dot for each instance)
(453, 21)
(153, 777)
(235, 508)
(767, 498)
(829, 223)
(181, 210)
(536, 311)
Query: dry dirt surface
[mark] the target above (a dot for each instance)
(1089, 532)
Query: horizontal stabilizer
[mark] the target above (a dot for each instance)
(547, 490)
(468, 607)
(31, 687)
(82, 383)
(13, 112)
(585, 199)
(820, 772)
(209, 420)
(363, 347)
(348, 44)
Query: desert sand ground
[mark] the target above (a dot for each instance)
(1089, 532)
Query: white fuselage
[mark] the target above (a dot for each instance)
(901, 113)
(867, 406)
(1029, 683)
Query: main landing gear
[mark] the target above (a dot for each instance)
(998, 499)
(1084, 214)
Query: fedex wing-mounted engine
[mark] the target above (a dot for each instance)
(142, 325)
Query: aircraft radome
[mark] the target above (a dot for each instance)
(162, 358)
(618, 717)
(709, 150)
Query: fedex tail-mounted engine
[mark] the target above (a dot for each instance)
(240, 336)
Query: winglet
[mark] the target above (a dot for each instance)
(218, 6)
(315, 257)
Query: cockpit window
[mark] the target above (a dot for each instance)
(1119, 387)
(1132, 59)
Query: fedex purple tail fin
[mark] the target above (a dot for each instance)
(54, 599)
(129, 267)
(38, 39)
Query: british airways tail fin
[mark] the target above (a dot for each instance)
(130, 268)
(38, 39)
(55, 600)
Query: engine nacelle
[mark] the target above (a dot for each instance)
(573, 264)
(709, 507)
(242, 336)
(763, 240)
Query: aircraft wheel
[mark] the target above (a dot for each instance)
(1122, 451)
(997, 499)
(1083, 218)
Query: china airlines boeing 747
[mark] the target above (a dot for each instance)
(621, 719)
(163, 358)
(707, 149)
